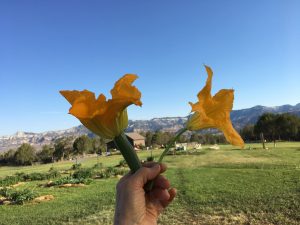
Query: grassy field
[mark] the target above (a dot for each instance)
(225, 186)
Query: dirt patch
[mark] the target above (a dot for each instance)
(43, 198)
(71, 185)
(17, 184)
(4, 201)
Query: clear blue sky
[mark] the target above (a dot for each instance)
(46, 46)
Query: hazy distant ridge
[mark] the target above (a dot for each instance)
(239, 118)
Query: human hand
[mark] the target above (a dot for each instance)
(134, 205)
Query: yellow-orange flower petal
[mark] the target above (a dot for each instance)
(214, 112)
(107, 118)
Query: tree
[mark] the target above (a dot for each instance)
(62, 148)
(281, 126)
(8, 157)
(148, 138)
(82, 145)
(287, 126)
(98, 145)
(266, 124)
(156, 138)
(183, 139)
(209, 139)
(46, 154)
(25, 155)
(159, 138)
(247, 133)
(220, 139)
(166, 137)
(195, 138)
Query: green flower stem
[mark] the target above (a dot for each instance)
(170, 143)
(128, 152)
(150, 184)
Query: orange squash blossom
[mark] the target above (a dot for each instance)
(106, 118)
(214, 112)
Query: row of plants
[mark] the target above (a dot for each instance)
(17, 196)
(23, 177)
(79, 175)
(70, 180)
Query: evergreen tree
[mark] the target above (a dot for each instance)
(25, 155)
(248, 134)
(62, 148)
(46, 154)
(98, 145)
(82, 144)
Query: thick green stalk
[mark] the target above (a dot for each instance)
(128, 152)
(171, 142)
(150, 184)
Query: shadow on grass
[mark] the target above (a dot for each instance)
(261, 166)
(191, 153)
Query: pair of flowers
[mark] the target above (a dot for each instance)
(108, 118)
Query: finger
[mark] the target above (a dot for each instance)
(163, 167)
(161, 182)
(149, 164)
(172, 193)
(160, 194)
(145, 174)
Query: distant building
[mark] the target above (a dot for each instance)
(135, 140)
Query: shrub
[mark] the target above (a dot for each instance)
(53, 173)
(150, 159)
(83, 173)
(122, 163)
(18, 197)
(98, 166)
(71, 180)
(41, 176)
(18, 177)
(9, 180)
(76, 166)
(110, 172)
(36, 176)
(120, 171)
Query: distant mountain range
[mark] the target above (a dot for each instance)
(239, 118)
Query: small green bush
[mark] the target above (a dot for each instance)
(83, 173)
(53, 173)
(150, 159)
(18, 197)
(9, 180)
(36, 176)
(98, 166)
(18, 177)
(76, 166)
(71, 180)
(122, 163)
(110, 172)
(121, 171)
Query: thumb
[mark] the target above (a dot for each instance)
(144, 174)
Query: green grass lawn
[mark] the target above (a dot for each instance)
(225, 186)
